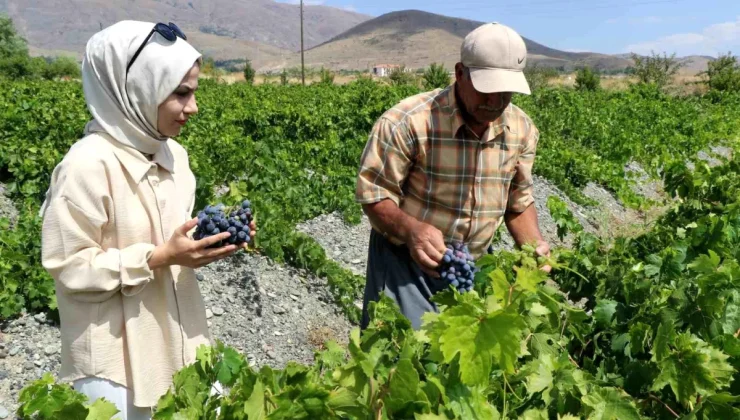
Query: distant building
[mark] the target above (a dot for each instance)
(384, 70)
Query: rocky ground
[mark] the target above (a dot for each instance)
(271, 313)
(347, 244)
(274, 313)
(7, 210)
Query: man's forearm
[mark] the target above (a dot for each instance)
(524, 227)
(392, 220)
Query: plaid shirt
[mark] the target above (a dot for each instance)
(422, 155)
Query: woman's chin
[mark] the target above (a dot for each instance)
(172, 132)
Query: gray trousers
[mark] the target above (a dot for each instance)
(392, 271)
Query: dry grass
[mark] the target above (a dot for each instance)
(637, 223)
(318, 336)
(259, 79)
(682, 84)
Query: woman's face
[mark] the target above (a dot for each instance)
(180, 105)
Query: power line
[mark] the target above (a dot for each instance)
(303, 70)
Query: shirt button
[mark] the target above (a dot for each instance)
(155, 182)
(477, 181)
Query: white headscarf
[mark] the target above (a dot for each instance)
(127, 107)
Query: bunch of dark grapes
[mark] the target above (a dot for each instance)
(458, 267)
(214, 220)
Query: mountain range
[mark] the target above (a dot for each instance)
(268, 33)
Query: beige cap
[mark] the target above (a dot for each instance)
(496, 56)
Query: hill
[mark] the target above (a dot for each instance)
(415, 38)
(66, 25)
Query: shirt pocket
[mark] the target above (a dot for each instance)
(495, 186)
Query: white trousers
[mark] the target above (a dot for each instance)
(122, 397)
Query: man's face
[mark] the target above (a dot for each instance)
(482, 107)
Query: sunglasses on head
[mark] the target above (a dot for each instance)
(170, 32)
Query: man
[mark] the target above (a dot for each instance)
(448, 165)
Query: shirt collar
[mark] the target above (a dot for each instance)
(137, 165)
(495, 127)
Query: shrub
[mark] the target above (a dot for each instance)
(654, 69)
(435, 77)
(249, 72)
(284, 77)
(539, 77)
(399, 76)
(19, 66)
(62, 67)
(326, 77)
(587, 79)
(723, 74)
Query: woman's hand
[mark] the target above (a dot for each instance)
(182, 250)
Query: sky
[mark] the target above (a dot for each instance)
(684, 27)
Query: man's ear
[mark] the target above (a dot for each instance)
(459, 72)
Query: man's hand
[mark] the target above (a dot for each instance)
(543, 250)
(524, 228)
(427, 246)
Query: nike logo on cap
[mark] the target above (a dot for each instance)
(519, 61)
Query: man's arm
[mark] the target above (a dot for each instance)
(524, 227)
(425, 242)
(521, 214)
(392, 220)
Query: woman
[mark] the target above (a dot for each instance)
(116, 222)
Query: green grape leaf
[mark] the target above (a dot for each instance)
(693, 369)
(528, 279)
(480, 341)
(229, 366)
(403, 386)
(664, 338)
(610, 404)
(255, 405)
(102, 409)
(604, 312)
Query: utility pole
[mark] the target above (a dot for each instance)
(303, 71)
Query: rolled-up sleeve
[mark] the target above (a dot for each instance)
(521, 192)
(385, 163)
(72, 234)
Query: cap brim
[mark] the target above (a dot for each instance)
(487, 80)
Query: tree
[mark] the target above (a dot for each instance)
(399, 76)
(435, 77)
(587, 79)
(723, 74)
(11, 44)
(208, 66)
(15, 62)
(249, 72)
(284, 77)
(656, 70)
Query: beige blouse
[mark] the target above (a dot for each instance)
(107, 209)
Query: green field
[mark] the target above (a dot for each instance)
(657, 340)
